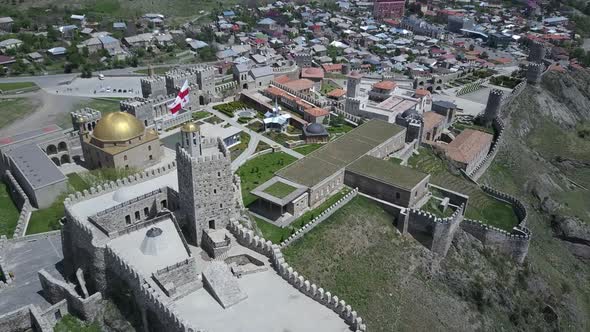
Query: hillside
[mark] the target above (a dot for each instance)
(397, 285)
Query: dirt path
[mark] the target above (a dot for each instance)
(50, 109)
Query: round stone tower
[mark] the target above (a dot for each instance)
(534, 72)
(536, 52)
(493, 106)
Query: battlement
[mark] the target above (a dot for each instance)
(313, 101)
(85, 114)
(135, 102)
(152, 79)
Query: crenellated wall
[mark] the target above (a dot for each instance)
(247, 238)
(514, 244)
(26, 318)
(480, 169)
(176, 276)
(321, 217)
(433, 232)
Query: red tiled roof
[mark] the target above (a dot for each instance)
(300, 84)
(421, 92)
(282, 79)
(316, 111)
(332, 67)
(312, 72)
(467, 145)
(385, 85)
(431, 120)
(336, 93)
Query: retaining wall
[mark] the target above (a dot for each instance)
(321, 217)
(5, 279)
(247, 238)
(22, 203)
(25, 319)
(433, 232)
(515, 244)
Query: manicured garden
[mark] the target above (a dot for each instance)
(198, 115)
(213, 120)
(238, 149)
(230, 108)
(259, 170)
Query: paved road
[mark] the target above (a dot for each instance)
(242, 158)
(254, 134)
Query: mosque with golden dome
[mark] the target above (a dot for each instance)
(120, 140)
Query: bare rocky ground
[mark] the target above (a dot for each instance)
(50, 109)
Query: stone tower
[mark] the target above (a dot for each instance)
(153, 86)
(414, 131)
(205, 183)
(493, 106)
(353, 85)
(534, 72)
(84, 120)
(536, 52)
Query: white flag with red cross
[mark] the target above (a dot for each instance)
(181, 100)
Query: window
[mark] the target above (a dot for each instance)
(146, 212)
(220, 205)
(215, 191)
(125, 157)
(149, 148)
(151, 158)
(397, 196)
(128, 219)
(163, 204)
(212, 224)
(137, 216)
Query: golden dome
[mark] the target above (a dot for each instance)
(118, 126)
(190, 127)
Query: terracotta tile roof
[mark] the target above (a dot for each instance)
(312, 72)
(300, 84)
(337, 93)
(432, 119)
(385, 85)
(332, 67)
(316, 111)
(282, 93)
(421, 92)
(467, 145)
(282, 79)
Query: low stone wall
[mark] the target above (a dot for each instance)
(55, 291)
(22, 203)
(176, 276)
(519, 207)
(55, 312)
(5, 279)
(321, 217)
(120, 183)
(25, 319)
(247, 238)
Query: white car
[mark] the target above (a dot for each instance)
(101, 76)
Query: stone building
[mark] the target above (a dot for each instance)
(468, 149)
(204, 181)
(315, 133)
(33, 158)
(120, 140)
(493, 106)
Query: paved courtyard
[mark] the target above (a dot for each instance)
(272, 305)
(25, 259)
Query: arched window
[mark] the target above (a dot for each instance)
(51, 149)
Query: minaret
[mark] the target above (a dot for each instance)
(190, 134)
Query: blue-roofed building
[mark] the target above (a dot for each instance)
(229, 13)
(121, 26)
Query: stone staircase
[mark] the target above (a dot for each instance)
(221, 283)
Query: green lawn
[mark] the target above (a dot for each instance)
(77, 183)
(157, 70)
(213, 120)
(8, 213)
(259, 170)
(351, 254)
(45, 220)
(12, 109)
(273, 233)
(262, 146)
(103, 105)
(308, 148)
(200, 115)
(342, 129)
(481, 206)
(461, 127)
(280, 138)
(279, 190)
(328, 86)
(16, 86)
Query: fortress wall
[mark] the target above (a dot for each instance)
(445, 231)
(321, 217)
(480, 169)
(18, 320)
(111, 186)
(433, 232)
(5, 279)
(518, 206)
(247, 238)
(56, 290)
(514, 244)
(455, 198)
(23, 204)
(148, 295)
(55, 312)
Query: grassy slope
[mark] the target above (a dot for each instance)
(16, 86)
(14, 109)
(308, 148)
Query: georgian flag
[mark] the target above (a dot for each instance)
(181, 99)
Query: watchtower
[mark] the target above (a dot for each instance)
(353, 85)
(205, 183)
(534, 72)
(493, 106)
(536, 52)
